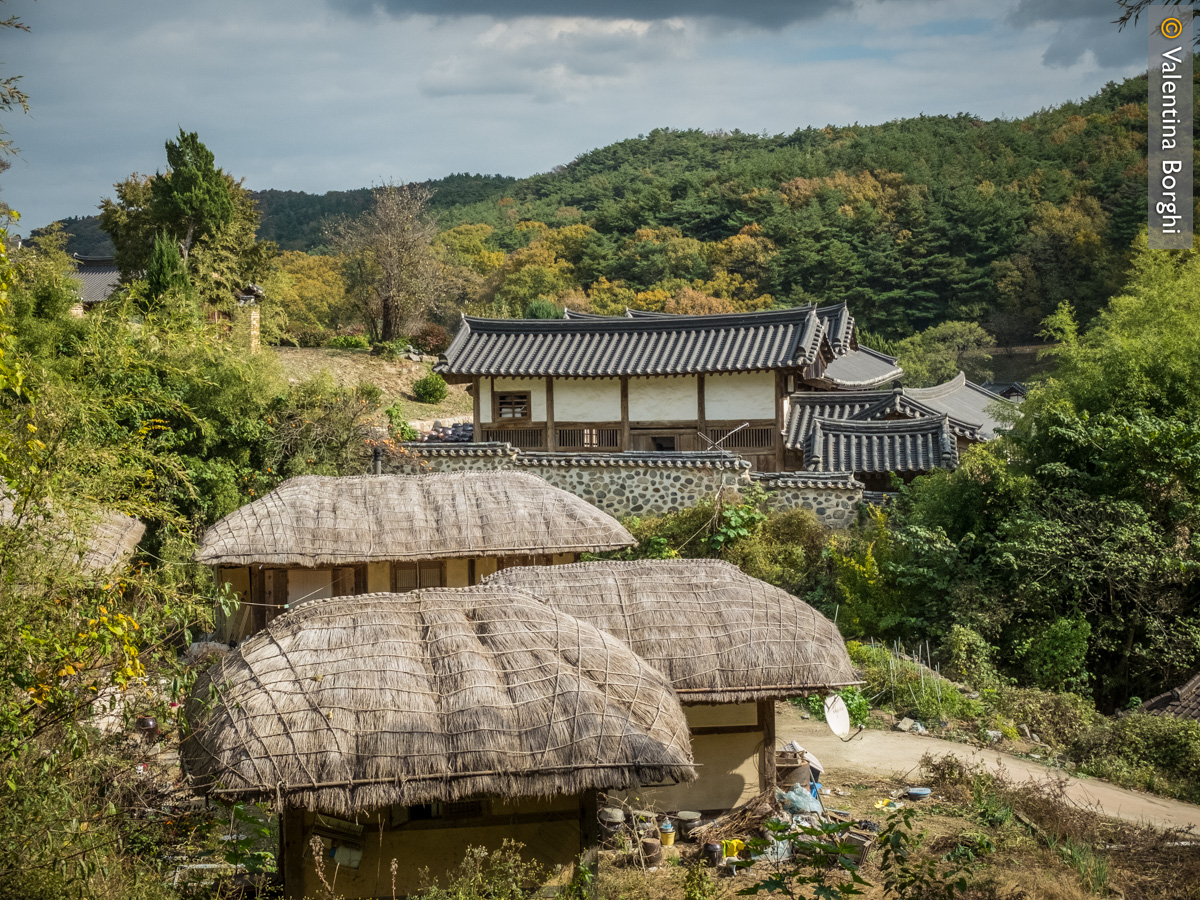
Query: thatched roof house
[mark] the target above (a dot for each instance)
(97, 543)
(327, 521)
(719, 635)
(730, 645)
(353, 705)
(317, 537)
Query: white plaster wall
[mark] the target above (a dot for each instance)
(537, 396)
(587, 400)
(458, 573)
(660, 399)
(485, 400)
(309, 584)
(742, 395)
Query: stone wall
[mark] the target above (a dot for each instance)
(642, 484)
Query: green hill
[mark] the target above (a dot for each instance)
(913, 222)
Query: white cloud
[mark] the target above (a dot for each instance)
(295, 94)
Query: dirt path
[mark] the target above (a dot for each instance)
(892, 752)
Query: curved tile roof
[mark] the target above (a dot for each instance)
(897, 445)
(653, 345)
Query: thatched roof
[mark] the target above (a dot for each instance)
(323, 521)
(101, 542)
(354, 703)
(718, 635)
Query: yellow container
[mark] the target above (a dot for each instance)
(667, 838)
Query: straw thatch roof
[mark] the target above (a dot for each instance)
(97, 544)
(355, 703)
(324, 521)
(719, 635)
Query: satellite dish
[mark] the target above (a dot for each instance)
(837, 716)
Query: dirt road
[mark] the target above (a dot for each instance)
(895, 753)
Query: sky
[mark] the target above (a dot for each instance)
(319, 95)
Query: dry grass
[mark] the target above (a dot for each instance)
(349, 368)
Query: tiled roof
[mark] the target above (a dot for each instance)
(962, 400)
(965, 404)
(839, 325)
(98, 276)
(862, 368)
(659, 345)
(899, 445)
(1182, 702)
(806, 406)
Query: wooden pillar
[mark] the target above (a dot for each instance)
(766, 719)
(291, 852)
(625, 439)
(477, 434)
(551, 432)
(589, 840)
(780, 391)
(701, 415)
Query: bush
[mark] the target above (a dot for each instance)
(1055, 656)
(1058, 719)
(1159, 753)
(431, 389)
(543, 309)
(970, 658)
(400, 426)
(431, 339)
(857, 706)
(369, 393)
(348, 342)
(391, 350)
(306, 337)
(899, 684)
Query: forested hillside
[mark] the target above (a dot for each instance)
(913, 222)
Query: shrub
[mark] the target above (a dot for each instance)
(970, 658)
(369, 393)
(541, 308)
(400, 426)
(1160, 753)
(856, 704)
(431, 389)
(306, 337)
(391, 350)
(348, 342)
(431, 339)
(1055, 656)
(899, 684)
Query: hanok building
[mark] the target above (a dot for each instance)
(317, 537)
(655, 382)
(873, 434)
(752, 383)
(731, 645)
(392, 732)
(98, 278)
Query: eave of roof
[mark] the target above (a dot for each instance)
(657, 345)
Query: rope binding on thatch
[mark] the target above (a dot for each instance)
(328, 521)
(719, 635)
(356, 703)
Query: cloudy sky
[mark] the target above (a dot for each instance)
(319, 95)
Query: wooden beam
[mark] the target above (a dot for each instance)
(780, 390)
(625, 439)
(291, 852)
(589, 840)
(551, 433)
(766, 718)
(475, 423)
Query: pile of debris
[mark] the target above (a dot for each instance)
(455, 433)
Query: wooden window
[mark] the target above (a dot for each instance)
(589, 438)
(521, 438)
(663, 443)
(759, 438)
(410, 576)
(511, 405)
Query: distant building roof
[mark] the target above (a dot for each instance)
(1009, 390)
(969, 408)
(98, 276)
(897, 445)
(641, 345)
(862, 367)
(1182, 702)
